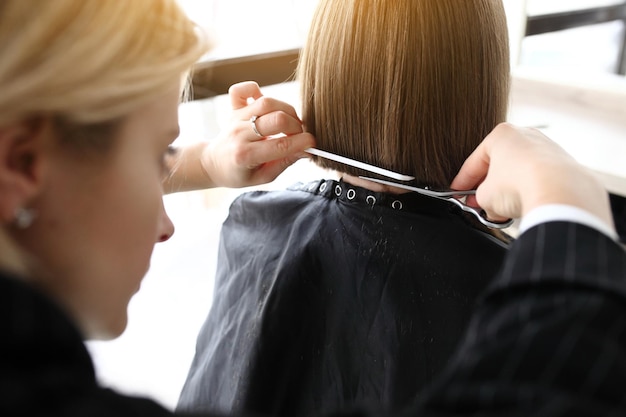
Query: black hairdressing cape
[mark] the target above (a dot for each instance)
(329, 296)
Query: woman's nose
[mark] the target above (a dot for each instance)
(166, 229)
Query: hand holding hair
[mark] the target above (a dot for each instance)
(266, 137)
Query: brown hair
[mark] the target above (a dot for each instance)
(408, 85)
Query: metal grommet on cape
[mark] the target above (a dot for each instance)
(351, 194)
(253, 120)
(397, 204)
(371, 200)
(337, 190)
(323, 187)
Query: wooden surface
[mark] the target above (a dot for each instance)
(212, 78)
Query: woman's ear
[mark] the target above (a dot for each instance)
(22, 146)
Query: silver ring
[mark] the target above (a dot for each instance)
(253, 123)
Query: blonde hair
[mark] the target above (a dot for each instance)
(91, 62)
(408, 85)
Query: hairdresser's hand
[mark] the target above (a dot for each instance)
(241, 157)
(517, 170)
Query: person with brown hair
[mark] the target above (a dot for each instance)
(411, 87)
(339, 294)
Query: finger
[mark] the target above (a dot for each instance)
(472, 173)
(271, 170)
(240, 93)
(472, 201)
(265, 105)
(278, 122)
(265, 151)
(498, 206)
(500, 211)
(475, 168)
(494, 217)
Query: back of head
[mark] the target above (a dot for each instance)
(90, 61)
(408, 85)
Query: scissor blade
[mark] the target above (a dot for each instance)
(431, 193)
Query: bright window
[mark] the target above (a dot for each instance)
(588, 49)
(536, 7)
(248, 27)
(593, 49)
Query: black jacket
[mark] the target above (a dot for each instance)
(45, 369)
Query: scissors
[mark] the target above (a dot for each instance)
(451, 196)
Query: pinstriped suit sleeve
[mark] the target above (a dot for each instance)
(549, 338)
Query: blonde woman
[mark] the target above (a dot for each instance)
(341, 294)
(88, 111)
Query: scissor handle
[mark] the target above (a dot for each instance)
(481, 215)
(448, 195)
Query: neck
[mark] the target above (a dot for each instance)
(372, 186)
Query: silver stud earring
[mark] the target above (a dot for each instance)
(24, 218)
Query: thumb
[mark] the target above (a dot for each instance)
(240, 93)
(499, 205)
